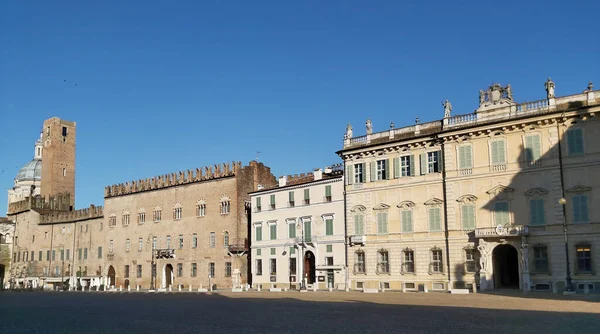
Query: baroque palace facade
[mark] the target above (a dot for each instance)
(478, 198)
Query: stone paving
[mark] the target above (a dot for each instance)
(295, 312)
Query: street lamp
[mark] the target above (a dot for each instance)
(61, 247)
(302, 282)
(152, 269)
(285, 247)
(562, 201)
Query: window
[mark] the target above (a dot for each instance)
(111, 246)
(292, 229)
(536, 212)
(329, 226)
(227, 269)
(40, 256)
(359, 172)
(212, 240)
(226, 239)
(328, 193)
(258, 252)
(112, 221)
(195, 240)
(258, 204)
(62, 255)
(408, 265)
(157, 215)
(308, 230)
(258, 233)
(291, 199)
(64, 131)
(273, 267)
(532, 147)
(273, 231)
(306, 196)
(383, 262)
(154, 243)
(141, 217)
(84, 254)
(126, 271)
(272, 202)
(124, 220)
(258, 267)
(181, 241)
(293, 266)
(292, 250)
(359, 225)
(501, 213)
(329, 261)
(407, 225)
(382, 223)
(465, 157)
(329, 248)
(468, 216)
(580, 209)
(140, 244)
(45, 236)
(64, 172)
(404, 166)
(470, 264)
(139, 271)
(194, 271)
(79, 254)
(380, 171)
(177, 213)
(69, 254)
(575, 141)
(201, 210)
(127, 245)
(168, 242)
(435, 221)
(498, 152)
(273, 251)
(99, 252)
(540, 259)
(359, 262)
(436, 261)
(225, 207)
(584, 259)
(211, 269)
(430, 162)
(179, 269)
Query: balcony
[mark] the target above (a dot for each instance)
(307, 239)
(502, 231)
(238, 245)
(358, 239)
(165, 253)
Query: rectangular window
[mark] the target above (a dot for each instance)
(62, 255)
(124, 220)
(532, 147)
(501, 215)
(540, 258)
(139, 271)
(580, 209)
(382, 223)
(382, 169)
(258, 204)
(406, 167)
(308, 231)
(291, 199)
(408, 265)
(79, 254)
(328, 193)
(180, 241)
(258, 233)
(360, 265)
(154, 243)
(291, 229)
(177, 212)
(141, 217)
(292, 250)
(179, 269)
(359, 172)
(430, 162)
(329, 261)
(407, 224)
(273, 251)
(226, 239)
(273, 206)
(127, 245)
(584, 259)
(211, 269)
(194, 240)
(273, 267)
(54, 255)
(470, 264)
(293, 266)
(40, 256)
(465, 157)
(436, 261)
(212, 240)
(126, 271)
(69, 254)
(575, 141)
(258, 252)
(468, 216)
(498, 152)
(329, 248)
(306, 196)
(359, 226)
(383, 266)
(227, 269)
(225, 207)
(435, 220)
(258, 267)
(194, 271)
(168, 242)
(329, 226)
(536, 212)
(84, 254)
(99, 252)
(273, 231)
(140, 244)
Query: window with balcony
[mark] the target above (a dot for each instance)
(359, 262)
(383, 265)
(540, 258)
(359, 225)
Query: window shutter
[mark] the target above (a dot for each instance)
(579, 141)
(533, 212)
(469, 156)
(291, 196)
(306, 194)
(272, 199)
(373, 171)
(423, 161)
(307, 231)
(440, 157)
(571, 141)
(349, 174)
(495, 159)
(329, 227)
(388, 169)
(412, 163)
(364, 172)
(396, 168)
(257, 202)
(328, 191)
(583, 209)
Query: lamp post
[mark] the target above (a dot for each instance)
(302, 282)
(152, 270)
(287, 244)
(61, 247)
(563, 202)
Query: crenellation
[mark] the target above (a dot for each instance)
(54, 217)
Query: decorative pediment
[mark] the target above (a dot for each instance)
(141, 210)
(536, 192)
(126, 212)
(381, 206)
(158, 208)
(177, 205)
(225, 198)
(467, 199)
(434, 201)
(500, 189)
(112, 214)
(201, 202)
(578, 189)
(406, 205)
(358, 208)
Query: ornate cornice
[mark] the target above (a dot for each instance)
(358, 208)
(500, 189)
(434, 201)
(536, 192)
(467, 199)
(381, 206)
(406, 205)
(579, 189)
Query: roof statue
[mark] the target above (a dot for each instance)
(447, 108)
(348, 134)
(495, 96)
(550, 88)
(369, 126)
(590, 86)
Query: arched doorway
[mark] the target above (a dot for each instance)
(506, 267)
(168, 276)
(309, 267)
(2, 277)
(112, 281)
(126, 283)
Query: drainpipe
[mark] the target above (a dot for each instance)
(346, 283)
(445, 199)
(563, 203)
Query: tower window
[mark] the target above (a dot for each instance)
(64, 131)
(64, 172)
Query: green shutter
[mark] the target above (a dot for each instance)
(328, 191)
(406, 221)
(495, 152)
(349, 174)
(291, 196)
(441, 160)
(329, 227)
(291, 230)
(382, 223)
(396, 168)
(307, 231)
(434, 219)
(273, 234)
(423, 161)
(412, 163)
(373, 171)
(258, 233)
(358, 225)
(388, 169)
(329, 248)
(364, 172)
(272, 199)
(258, 205)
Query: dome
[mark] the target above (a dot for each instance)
(32, 171)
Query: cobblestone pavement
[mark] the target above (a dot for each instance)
(295, 312)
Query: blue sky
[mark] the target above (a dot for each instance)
(163, 87)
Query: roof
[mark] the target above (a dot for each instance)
(32, 171)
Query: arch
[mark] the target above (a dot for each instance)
(201, 201)
(168, 276)
(309, 267)
(112, 276)
(505, 261)
(141, 210)
(224, 198)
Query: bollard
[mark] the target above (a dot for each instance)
(170, 287)
(258, 288)
(128, 288)
(137, 288)
(474, 287)
(179, 287)
(120, 288)
(190, 288)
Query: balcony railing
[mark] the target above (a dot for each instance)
(238, 245)
(502, 231)
(358, 239)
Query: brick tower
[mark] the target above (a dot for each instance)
(58, 158)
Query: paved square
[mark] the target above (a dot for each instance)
(294, 312)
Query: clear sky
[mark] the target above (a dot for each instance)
(161, 86)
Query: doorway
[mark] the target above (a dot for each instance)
(112, 276)
(309, 267)
(168, 278)
(506, 267)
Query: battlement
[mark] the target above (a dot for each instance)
(72, 216)
(179, 178)
(60, 202)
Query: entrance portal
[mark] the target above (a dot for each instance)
(309, 267)
(111, 276)
(168, 278)
(506, 267)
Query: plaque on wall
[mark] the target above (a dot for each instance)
(293, 278)
(321, 278)
(273, 278)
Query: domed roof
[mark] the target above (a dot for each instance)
(32, 171)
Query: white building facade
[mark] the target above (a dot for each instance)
(297, 232)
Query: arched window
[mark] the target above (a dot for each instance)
(225, 205)
(226, 239)
(201, 208)
(177, 211)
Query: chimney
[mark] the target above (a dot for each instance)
(318, 174)
(282, 181)
(260, 187)
(328, 170)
